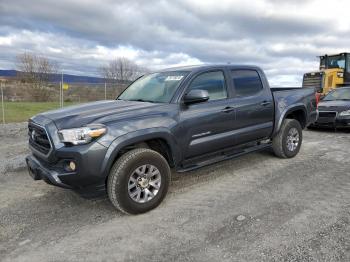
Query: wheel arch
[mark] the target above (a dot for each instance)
(158, 139)
(297, 112)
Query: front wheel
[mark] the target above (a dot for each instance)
(287, 143)
(138, 181)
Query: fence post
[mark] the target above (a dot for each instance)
(2, 104)
(105, 91)
(59, 96)
(62, 90)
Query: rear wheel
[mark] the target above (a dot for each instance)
(287, 142)
(138, 181)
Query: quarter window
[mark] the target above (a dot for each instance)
(246, 82)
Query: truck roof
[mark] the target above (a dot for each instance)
(208, 66)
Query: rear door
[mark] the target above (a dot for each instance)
(254, 106)
(206, 126)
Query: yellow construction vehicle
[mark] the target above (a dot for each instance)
(334, 72)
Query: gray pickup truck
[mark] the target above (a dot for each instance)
(180, 118)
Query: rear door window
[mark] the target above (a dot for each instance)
(246, 82)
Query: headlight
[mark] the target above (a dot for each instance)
(345, 113)
(83, 135)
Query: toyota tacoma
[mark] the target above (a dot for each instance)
(180, 119)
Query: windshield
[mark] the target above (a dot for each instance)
(156, 87)
(338, 94)
(337, 61)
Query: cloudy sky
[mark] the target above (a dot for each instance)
(283, 37)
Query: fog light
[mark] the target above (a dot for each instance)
(72, 166)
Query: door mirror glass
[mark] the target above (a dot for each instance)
(196, 96)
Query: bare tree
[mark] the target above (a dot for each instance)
(121, 69)
(37, 71)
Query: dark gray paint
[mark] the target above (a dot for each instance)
(189, 130)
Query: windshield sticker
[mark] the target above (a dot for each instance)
(173, 78)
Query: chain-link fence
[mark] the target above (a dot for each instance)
(20, 101)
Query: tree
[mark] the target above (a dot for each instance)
(122, 70)
(36, 70)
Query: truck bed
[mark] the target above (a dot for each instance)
(286, 97)
(274, 89)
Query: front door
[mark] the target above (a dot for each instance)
(207, 126)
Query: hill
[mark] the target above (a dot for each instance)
(71, 79)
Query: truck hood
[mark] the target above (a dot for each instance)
(337, 105)
(97, 112)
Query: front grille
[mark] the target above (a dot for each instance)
(327, 114)
(313, 80)
(38, 138)
(326, 117)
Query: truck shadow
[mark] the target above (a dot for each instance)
(181, 181)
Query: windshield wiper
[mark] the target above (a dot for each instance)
(142, 100)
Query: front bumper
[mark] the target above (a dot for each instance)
(88, 179)
(39, 172)
(334, 122)
(69, 180)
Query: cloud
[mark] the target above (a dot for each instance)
(283, 37)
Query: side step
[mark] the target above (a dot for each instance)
(226, 156)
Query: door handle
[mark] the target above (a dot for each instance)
(228, 109)
(265, 103)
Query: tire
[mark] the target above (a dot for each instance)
(283, 144)
(124, 181)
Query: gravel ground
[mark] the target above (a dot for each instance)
(254, 208)
(13, 147)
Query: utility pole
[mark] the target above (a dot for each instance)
(105, 91)
(2, 104)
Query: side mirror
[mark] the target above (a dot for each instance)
(196, 96)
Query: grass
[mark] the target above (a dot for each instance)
(22, 111)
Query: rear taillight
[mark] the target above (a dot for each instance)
(318, 98)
